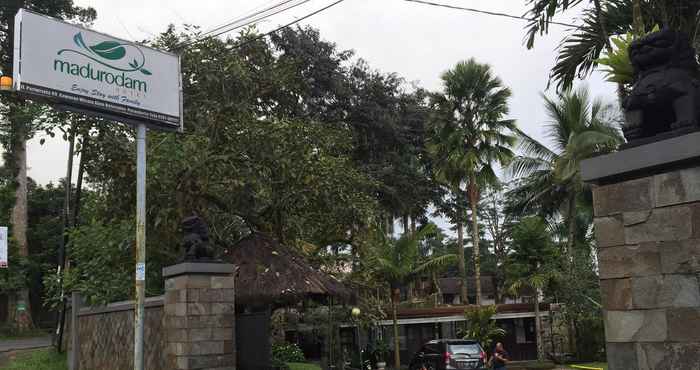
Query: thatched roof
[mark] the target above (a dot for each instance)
(269, 273)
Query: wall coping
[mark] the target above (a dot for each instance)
(643, 160)
(120, 306)
(199, 268)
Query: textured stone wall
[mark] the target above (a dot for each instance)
(199, 322)
(648, 233)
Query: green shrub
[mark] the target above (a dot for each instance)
(288, 352)
(38, 360)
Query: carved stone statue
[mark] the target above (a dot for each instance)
(666, 93)
(196, 240)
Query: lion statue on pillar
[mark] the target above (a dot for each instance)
(666, 93)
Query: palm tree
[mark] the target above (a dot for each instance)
(532, 264)
(480, 325)
(469, 136)
(581, 48)
(550, 180)
(397, 262)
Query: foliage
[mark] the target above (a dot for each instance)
(38, 360)
(619, 67)
(600, 20)
(94, 247)
(617, 59)
(287, 352)
(481, 326)
(303, 366)
(396, 261)
(381, 350)
(532, 262)
(469, 135)
(550, 182)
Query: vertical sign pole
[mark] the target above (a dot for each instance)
(140, 245)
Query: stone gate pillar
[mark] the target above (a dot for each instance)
(199, 316)
(647, 225)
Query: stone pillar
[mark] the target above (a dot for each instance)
(647, 225)
(199, 316)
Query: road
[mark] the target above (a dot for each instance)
(27, 343)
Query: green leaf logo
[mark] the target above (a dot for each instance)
(78, 39)
(111, 50)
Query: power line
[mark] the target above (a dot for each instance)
(488, 12)
(245, 17)
(212, 35)
(288, 24)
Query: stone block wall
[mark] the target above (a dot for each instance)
(648, 234)
(199, 319)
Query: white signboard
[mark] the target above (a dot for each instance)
(87, 71)
(3, 247)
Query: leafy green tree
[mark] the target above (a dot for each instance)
(396, 262)
(480, 325)
(550, 180)
(498, 225)
(18, 121)
(532, 264)
(470, 136)
(94, 247)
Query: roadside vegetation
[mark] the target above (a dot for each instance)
(38, 360)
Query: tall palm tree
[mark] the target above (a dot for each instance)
(469, 136)
(550, 179)
(397, 262)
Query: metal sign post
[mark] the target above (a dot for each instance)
(140, 245)
(3, 247)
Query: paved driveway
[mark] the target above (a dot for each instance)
(21, 344)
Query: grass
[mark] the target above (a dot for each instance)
(302, 366)
(598, 365)
(38, 360)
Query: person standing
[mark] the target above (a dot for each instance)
(500, 357)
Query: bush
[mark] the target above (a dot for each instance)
(38, 360)
(288, 352)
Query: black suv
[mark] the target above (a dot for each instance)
(449, 354)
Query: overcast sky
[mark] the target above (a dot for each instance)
(417, 41)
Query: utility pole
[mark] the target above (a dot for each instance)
(140, 245)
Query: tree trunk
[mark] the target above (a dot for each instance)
(79, 183)
(538, 327)
(22, 319)
(66, 227)
(571, 234)
(461, 265)
(473, 202)
(438, 291)
(397, 343)
(404, 221)
(637, 20)
(413, 225)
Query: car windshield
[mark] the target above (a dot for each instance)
(464, 348)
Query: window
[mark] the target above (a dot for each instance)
(469, 349)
